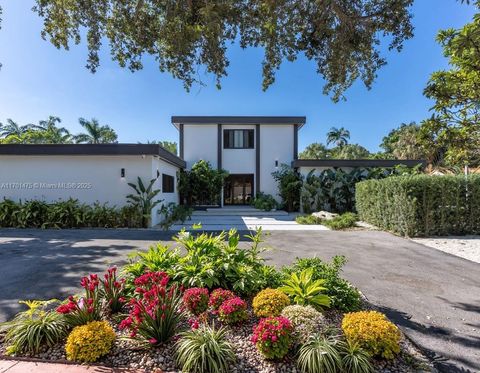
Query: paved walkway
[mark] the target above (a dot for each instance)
(13, 366)
(432, 295)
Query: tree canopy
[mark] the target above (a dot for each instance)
(95, 133)
(343, 37)
(454, 128)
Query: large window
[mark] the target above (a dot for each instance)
(168, 184)
(238, 139)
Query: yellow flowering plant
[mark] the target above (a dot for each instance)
(87, 343)
(372, 331)
(270, 302)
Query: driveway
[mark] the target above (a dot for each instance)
(433, 296)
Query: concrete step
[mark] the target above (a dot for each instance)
(234, 212)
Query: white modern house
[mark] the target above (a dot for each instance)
(250, 148)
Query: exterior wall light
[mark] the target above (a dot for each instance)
(276, 163)
(122, 173)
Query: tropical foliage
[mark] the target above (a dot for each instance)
(338, 136)
(95, 133)
(344, 221)
(144, 199)
(173, 213)
(304, 290)
(264, 202)
(342, 294)
(289, 184)
(202, 184)
(66, 214)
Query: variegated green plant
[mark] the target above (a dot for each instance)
(304, 290)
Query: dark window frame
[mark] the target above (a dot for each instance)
(168, 183)
(248, 141)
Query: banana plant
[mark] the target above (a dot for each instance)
(305, 291)
(144, 199)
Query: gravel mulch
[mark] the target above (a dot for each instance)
(129, 354)
(467, 247)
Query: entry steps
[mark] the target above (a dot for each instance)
(237, 211)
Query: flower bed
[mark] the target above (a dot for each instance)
(155, 321)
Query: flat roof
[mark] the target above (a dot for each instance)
(176, 120)
(92, 149)
(357, 162)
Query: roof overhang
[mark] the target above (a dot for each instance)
(357, 162)
(278, 120)
(91, 150)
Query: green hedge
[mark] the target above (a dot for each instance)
(66, 214)
(421, 205)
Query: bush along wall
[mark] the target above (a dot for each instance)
(421, 205)
(66, 214)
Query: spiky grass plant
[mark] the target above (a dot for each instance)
(33, 328)
(354, 358)
(320, 354)
(204, 350)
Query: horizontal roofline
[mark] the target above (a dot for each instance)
(176, 120)
(358, 162)
(93, 150)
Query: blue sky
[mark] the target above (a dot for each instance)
(37, 80)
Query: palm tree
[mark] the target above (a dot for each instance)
(96, 134)
(13, 129)
(47, 132)
(338, 136)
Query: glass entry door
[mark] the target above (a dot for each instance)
(238, 189)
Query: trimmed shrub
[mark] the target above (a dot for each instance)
(270, 302)
(273, 337)
(421, 205)
(89, 342)
(340, 222)
(196, 300)
(373, 332)
(218, 296)
(305, 320)
(233, 311)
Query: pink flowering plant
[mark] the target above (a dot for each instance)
(155, 310)
(113, 290)
(81, 310)
(217, 297)
(233, 311)
(196, 300)
(273, 337)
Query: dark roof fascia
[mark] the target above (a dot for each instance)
(357, 162)
(92, 150)
(300, 121)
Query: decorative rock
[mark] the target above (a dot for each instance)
(325, 215)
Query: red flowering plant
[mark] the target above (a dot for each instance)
(217, 297)
(196, 300)
(233, 311)
(113, 290)
(155, 311)
(273, 336)
(81, 310)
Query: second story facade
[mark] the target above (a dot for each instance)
(249, 148)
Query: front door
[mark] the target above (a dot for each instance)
(238, 189)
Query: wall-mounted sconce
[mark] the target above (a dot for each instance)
(276, 163)
(122, 173)
(158, 174)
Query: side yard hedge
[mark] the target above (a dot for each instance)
(421, 205)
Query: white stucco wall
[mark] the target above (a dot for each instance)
(97, 178)
(238, 161)
(276, 143)
(200, 142)
(163, 168)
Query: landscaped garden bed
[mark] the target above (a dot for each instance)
(213, 307)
